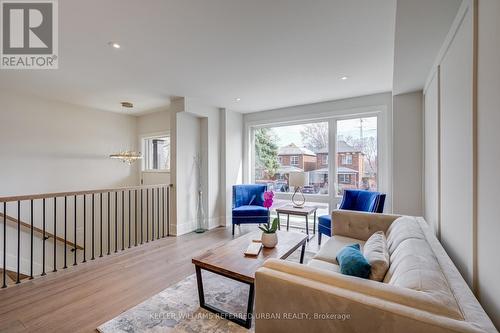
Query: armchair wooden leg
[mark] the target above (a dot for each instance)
(319, 238)
(233, 229)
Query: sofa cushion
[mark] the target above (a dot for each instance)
(324, 265)
(329, 250)
(413, 264)
(403, 228)
(375, 251)
(249, 211)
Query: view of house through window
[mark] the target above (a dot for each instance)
(156, 153)
(282, 150)
(303, 148)
(357, 154)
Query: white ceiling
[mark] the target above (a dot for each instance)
(421, 28)
(269, 53)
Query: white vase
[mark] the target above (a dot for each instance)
(269, 240)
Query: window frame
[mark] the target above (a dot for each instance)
(142, 144)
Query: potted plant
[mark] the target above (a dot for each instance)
(269, 237)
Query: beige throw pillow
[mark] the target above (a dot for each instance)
(375, 251)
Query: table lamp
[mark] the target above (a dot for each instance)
(298, 180)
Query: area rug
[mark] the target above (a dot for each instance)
(176, 309)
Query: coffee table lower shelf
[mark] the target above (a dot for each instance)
(247, 321)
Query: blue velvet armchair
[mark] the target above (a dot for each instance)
(359, 200)
(248, 204)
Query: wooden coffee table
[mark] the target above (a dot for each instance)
(304, 211)
(229, 261)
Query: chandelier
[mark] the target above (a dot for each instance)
(127, 156)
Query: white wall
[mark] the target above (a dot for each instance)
(48, 146)
(407, 153)
(155, 122)
(232, 168)
(211, 149)
(488, 157)
(186, 181)
(197, 130)
(431, 191)
(469, 154)
(457, 175)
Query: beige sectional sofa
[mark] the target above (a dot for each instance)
(421, 292)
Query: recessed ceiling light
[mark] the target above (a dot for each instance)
(114, 45)
(128, 105)
(343, 78)
(237, 99)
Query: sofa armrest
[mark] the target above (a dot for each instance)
(297, 298)
(360, 225)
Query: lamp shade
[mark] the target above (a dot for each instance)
(297, 179)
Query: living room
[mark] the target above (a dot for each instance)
(233, 166)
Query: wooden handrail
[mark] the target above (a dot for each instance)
(13, 221)
(68, 194)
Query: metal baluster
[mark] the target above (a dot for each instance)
(55, 235)
(100, 222)
(93, 220)
(43, 237)
(129, 221)
(147, 215)
(74, 234)
(4, 272)
(18, 241)
(142, 228)
(123, 220)
(163, 212)
(84, 228)
(158, 213)
(109, 228)
(135, 213)
(116, 221)
(65, 229)
(31, 236)
(152, 214)
(168, 211)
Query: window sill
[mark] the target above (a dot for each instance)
(156, 171)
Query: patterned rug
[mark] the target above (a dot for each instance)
(176, 309)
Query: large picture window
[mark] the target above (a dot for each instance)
(305, 148)
(334, 154)
(357, 154)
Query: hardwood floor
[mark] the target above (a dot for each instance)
(83, 297)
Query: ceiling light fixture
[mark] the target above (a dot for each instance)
(237, 99)
(128, 156)
(343, 78)
(114, 45)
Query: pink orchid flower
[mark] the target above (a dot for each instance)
(268, 199)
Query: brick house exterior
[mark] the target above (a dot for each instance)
(350, 164)
(298, 157)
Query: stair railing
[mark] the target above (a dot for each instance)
(100, 222)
